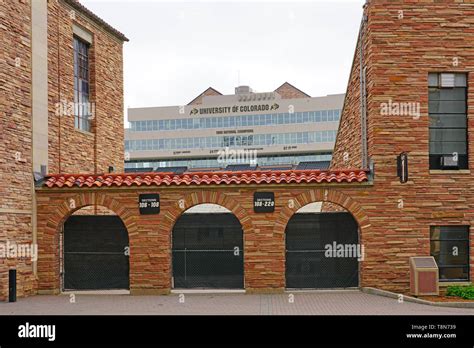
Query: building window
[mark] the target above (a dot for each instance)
(82, 104)
(448, 121)
(450, 248)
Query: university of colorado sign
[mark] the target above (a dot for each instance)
(234, 109)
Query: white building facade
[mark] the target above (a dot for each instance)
(283, 128)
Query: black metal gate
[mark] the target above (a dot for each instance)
(208, 252)
(95, 254)
(310, 262)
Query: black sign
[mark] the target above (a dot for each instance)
(264, 202)
(149, 203)
(402, 167)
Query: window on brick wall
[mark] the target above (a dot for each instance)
(83, 109)
(448, 121)
(450, 248)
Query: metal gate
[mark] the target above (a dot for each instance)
(208, 252)
(95, 254)
(322, 251)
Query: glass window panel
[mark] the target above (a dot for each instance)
(448, 135)
(305, 117)
(305, 136)
(453, 273)
(324, 116)
(446, 94)
(450, 248)
(447, 107)
(293, 118)
(318, 116)
(330, 117)
(299, 138)
(449, 232)
(318, 137)
(299, 117)
(448, 148)
(280, 118)
(449, 253)
(268, 119)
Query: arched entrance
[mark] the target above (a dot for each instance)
(322, 248)
(207, 248)
(95, 251)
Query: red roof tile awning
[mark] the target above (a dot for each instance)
(205, 178)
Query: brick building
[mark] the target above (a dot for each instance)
(61, 84)
(408, 93)
(409, 51)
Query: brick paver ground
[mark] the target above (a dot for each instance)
(308, 303)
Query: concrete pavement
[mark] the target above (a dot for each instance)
(351, 302)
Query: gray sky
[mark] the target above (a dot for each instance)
(179, 48)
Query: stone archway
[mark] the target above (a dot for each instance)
(187, 201)
(321, 195)
(333, 197)
(49, 228)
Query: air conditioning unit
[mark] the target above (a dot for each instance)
(424, 276)
(449, 162)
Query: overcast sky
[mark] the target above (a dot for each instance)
(179, 48)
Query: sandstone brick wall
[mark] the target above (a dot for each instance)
(80, 152)
(72, 150)
(208, 92)
(288, 91)
(15, 140)
(94, 210)
(150, 235)
(347, 149)
(401, 52)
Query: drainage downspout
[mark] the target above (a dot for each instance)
(363, 95)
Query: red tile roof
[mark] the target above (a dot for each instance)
(206, 178)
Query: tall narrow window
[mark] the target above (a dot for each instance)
(82, 110)
(450, 248)
(448, 121)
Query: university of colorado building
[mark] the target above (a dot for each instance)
(398, 185)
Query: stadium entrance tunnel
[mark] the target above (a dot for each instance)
(322, 248)
(207, 249)
(95, 251)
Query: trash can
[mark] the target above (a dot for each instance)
(424, 276)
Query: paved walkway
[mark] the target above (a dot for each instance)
(309, 303)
